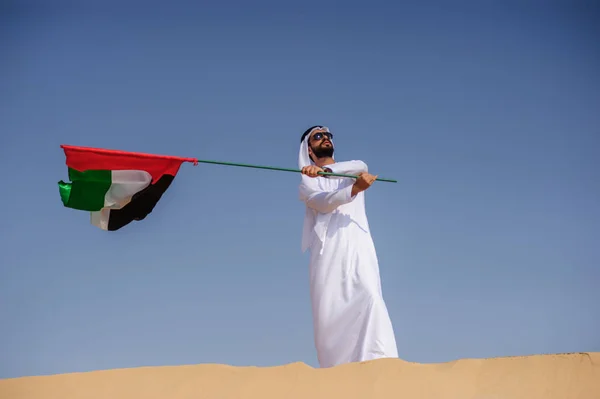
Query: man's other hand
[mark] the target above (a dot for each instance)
(312, 170)
(363, 182)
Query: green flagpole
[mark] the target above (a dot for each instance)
(286, 169)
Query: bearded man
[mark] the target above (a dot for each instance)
(351, 320)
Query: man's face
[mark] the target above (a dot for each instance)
(320, 144)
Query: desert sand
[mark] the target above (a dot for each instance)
(560, 376)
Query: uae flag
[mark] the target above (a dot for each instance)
(116, 187)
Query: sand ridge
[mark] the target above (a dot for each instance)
(560, 376)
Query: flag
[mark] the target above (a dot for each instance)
(116, 187)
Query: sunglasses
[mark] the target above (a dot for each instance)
(320, 135)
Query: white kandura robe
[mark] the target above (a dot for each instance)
(351, 320)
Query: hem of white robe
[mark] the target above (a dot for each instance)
(378, 309)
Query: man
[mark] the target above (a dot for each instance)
(351, 321)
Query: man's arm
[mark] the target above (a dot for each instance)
(349, 167)
(327, 201)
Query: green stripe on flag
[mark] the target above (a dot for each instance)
(87, 190)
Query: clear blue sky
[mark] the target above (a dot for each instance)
(486, 114)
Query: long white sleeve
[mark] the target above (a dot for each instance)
(349, 167)
(325, 201)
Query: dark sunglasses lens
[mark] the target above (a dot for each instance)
(319, 136)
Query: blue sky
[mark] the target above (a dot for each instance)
(485, 112)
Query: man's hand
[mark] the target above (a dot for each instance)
(312, 170)
(363, 182)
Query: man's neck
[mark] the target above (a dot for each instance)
(320, 162)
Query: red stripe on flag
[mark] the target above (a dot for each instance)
(86, 158)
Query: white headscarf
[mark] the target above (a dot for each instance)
(314, 222)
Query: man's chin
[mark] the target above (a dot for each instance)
(325, 153)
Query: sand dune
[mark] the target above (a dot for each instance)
(562, 376)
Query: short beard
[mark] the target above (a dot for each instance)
(323, 152)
